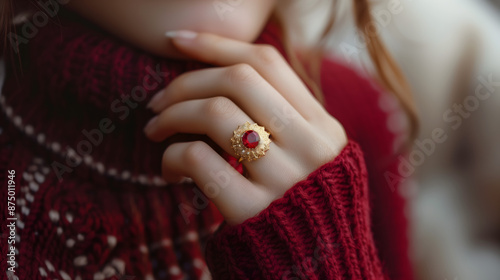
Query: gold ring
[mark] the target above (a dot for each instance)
(250, 141)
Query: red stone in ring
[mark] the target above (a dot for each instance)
(250, 139)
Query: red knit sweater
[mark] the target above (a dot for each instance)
(91, 204)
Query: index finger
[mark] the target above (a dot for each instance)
(265, 59)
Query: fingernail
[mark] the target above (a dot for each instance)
(181, 34)
(150, 124)
(157, 97)
(186, 180)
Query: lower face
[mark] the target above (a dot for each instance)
(144, 23)
(238, 19)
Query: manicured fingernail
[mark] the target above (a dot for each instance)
(150, 124)
(186, 180)
(181, 34)
(157, 97)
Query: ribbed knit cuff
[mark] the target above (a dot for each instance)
(319, 229)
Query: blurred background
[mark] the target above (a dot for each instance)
(449, 51)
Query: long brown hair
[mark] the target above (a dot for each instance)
(388, 73)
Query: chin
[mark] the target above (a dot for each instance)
(244, 23)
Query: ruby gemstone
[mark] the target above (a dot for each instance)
(250, 139)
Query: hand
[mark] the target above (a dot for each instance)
(255, 84)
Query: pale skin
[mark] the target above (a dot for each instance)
(251, 83)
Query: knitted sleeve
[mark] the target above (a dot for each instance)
(319, 229)
(378, 126)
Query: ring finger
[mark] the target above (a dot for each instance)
(215, 117)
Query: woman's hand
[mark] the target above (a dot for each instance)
(255, 84)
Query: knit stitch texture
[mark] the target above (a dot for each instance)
(92, 205)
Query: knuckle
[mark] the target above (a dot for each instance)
(267, 54)
(220, 107)
(196, 153)
(329, 141)
(241, 74)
